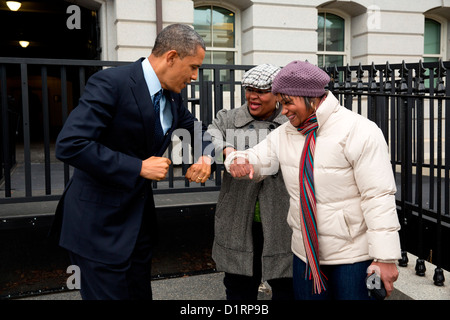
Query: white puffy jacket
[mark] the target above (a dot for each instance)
(354, 184)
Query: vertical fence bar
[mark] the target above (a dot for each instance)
(204, 102)
(372, 88)
(334, 83)
(26, 128)
(403, 145)
(381, 113)
(170, 175)
(201, 87)
(232, 88)
(242, 96)
(64, 104)
(431, 134)
(419, 91)
(386, 105)
(6, 138)
(390, 102)
(193, 106)
(64, 112)
(185, 97)
(359, 86)
(409, 135)
(218, 94)
(46, 123)
(439, 184)
(348, 97)
(447, 143)
(82, 79)
(438, 277)
(444, 247)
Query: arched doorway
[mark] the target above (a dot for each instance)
(54, 29)
(50, 30)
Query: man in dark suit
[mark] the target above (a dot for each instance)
(115, 140)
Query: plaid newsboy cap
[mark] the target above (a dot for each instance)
(260, 77)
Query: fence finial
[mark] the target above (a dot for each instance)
(441, 72)
(420, 86)
(372, 75)
(420, 267)
(403, 87)
(403, 262)
(359, 76)
(387, 75)
(438, 277)
(348, 77)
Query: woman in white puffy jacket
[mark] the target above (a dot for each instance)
(337, 172)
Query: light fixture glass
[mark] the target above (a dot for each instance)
(24, 43)
(13, 5)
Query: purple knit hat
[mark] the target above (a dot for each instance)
(300, 79)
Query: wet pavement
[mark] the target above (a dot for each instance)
(208, 286)
(31, 264)
(195, 287)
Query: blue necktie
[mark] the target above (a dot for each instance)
(159, 134)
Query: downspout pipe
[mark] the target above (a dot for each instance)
(159, 23)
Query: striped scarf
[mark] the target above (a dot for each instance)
(308, 204)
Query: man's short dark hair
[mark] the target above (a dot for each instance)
(180, 37)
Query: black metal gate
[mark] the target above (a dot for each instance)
(408, 101)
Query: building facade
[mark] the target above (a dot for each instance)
(265, 31)
(236, 32)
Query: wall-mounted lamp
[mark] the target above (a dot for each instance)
(24, 43)
(13, 5)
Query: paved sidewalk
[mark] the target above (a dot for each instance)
(198, 287)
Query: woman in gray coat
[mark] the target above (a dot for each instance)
(252, 238)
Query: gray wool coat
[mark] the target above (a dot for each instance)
(233, 243)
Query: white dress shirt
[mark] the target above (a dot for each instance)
(153, 84)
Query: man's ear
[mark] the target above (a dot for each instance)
(171, 55)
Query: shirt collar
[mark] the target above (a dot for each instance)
(151, 79)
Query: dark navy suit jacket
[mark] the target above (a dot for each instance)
(105, 139)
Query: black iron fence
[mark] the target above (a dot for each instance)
(36, 96)
(409, 102)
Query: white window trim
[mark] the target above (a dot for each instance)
(347, 35)
(237, 26)
(443, 45)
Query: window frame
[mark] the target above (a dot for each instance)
(443, 41)
(237, 26)
(347, 36)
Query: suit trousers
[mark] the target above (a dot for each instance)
(126, 281)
